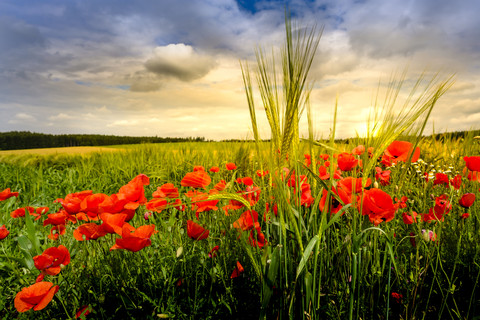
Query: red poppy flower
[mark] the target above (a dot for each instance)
(353, 185)
(156, 204)
(257, 238)
(198, 168)
(401, 203)
(114, 204)
(5, 194)
(213, 252)
(401, 151)
(132, 194)
(52, 259)
(82, 312)
(91, 231)
(3, 232)
(267, 210)
(20, 212)
(233, 205)
(397, 296)
(467, 200)
(231, 166)
(220, 186)
(36, 296)
(204, 205)
(251, 194)
(178, 205)
(196, 231)
(442, 206)
(237, 271)
(441, 178)
(306, 198)
(383, 176)
(113, 222)
(370, 151)
(324, 174)
(346, 161)
(473, 175)
(261, 173)
(456, 182)
(56, 231)
(247, 220)
(409, 218)
(36, 212)
(335, 205)
(472, 163)
(378, 205)
(200, 202)
(196, 179)
(246, 181)
(168, 190)
(413, 240)
(324, 157)
(308, 160)
(92, 205)
(136, 240)
(59, 218)
(214, 169)
(358, 150)
(72, 201)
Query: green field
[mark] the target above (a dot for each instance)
(308, 260)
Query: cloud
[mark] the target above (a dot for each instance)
(143, 81)
(21, 118)
(16, 34)
(179, 61)
(24, 116)
(123, 123)
(60, 116)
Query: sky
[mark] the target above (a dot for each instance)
(171, 68)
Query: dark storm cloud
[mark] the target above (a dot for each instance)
(179, 61)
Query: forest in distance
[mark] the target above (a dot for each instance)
(17, 140)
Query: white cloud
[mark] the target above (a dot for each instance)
(123, 123)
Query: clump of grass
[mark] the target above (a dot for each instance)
(296, 263)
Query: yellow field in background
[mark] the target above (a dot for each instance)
(65, 150)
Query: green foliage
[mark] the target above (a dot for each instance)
(15, 140)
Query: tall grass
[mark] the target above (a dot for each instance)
(311, 249)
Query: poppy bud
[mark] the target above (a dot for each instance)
(179, 252)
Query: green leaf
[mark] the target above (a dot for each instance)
(269, 282)
(26, 246)
(31, 231)
(306, 255)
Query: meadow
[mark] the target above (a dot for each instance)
(382, 227)
(403, 264)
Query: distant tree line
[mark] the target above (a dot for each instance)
(444, 136)
(14, 140)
